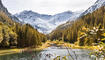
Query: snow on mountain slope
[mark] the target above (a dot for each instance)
(45, 23)
(95, 6)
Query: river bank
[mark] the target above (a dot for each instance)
(47, 44)
(73, 46)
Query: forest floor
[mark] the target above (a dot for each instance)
(46, 45)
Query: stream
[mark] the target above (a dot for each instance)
(51, 53)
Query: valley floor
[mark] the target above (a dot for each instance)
(60, 44)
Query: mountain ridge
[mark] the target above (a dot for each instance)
(95, 6)
(47, 23)
(43, 22)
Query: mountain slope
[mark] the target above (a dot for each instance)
(3, 9)
(14, 34)
(93, 13)
(46, 23)
(95, 6)
(70, 34)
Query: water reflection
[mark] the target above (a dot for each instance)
(50, 54)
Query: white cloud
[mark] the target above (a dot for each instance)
(47, 6)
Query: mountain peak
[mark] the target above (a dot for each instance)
(43, 22)
(68, 12)
(65, 12)
(28, 12)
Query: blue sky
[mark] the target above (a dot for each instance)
(47, 6)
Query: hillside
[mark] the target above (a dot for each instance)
(13, 34)
(91, 9)
(71, 35)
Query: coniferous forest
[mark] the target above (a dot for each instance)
(13, 34)
(87, 30)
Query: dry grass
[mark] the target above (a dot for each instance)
(13, 51)
(10, 51)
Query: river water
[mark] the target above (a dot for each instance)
(51, 53)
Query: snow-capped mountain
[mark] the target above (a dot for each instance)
(95, 6)
(46, 23)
